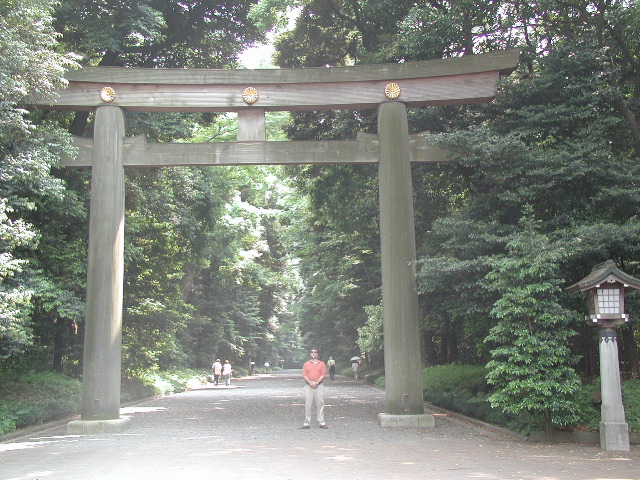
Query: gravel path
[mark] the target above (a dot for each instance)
(251, 430)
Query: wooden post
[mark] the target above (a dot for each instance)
(251, 127)
(402, 358)
(105, 273)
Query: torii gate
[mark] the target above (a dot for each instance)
(390, 88)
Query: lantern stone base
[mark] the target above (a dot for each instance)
(614, 436)
(424, 420)
(79, 427)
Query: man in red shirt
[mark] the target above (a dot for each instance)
(313, 373)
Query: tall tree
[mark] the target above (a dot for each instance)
(157, 33)
(531, 363)
(30, 69)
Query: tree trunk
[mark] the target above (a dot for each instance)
(79, 124)
(634, 128)
(188, 280)
(452, 347)
(59, 346)
(548, 425)
(428, 348)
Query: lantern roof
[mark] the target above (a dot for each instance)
(607, 272)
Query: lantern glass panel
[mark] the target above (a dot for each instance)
(609, 300)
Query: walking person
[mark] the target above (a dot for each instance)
(354, 366)
(226, 372)
(332, 367)
(313, 374)
(216, 369)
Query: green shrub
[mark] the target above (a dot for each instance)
(370, 374)
(462, 389)
(7, 418)
(631, 399)
(466, 380)
(136, 389)
(161, 383)
(588, 413)
(33, 398)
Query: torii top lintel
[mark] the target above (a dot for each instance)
(468, 79)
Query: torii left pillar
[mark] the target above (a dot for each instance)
(105, 276)
(402, 357)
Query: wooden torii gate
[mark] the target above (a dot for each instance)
(390, 88)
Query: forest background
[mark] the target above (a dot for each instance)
(259, 263)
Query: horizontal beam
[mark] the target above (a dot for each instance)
(138, 153)
(469, 79)
(503, 61)
(459, 89)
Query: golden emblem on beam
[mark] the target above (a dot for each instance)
(392, 91)
(107, 94)
(250, 95)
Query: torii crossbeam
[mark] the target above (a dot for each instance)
(390, 88)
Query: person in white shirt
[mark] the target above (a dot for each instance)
(226, 372)
(216, 368)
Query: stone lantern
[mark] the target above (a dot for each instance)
(606, 286)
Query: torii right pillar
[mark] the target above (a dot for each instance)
(402, 357)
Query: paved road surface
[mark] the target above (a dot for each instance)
(251, 431)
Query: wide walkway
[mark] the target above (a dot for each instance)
(251, 430)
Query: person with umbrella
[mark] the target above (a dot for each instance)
(313, 374)
(355, 363)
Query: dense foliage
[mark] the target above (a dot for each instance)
(259, 263)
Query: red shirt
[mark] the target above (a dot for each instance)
(314, 372)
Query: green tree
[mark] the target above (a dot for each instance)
(30, 68)
(544, 151)
(156, 33)
(370, 335)
(531, 365)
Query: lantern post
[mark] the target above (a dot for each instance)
(606, 286)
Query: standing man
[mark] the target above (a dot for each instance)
(313, 373)
(216, 368)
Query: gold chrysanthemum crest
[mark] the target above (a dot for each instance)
(250, 95)
(107, 94)
(392, 91)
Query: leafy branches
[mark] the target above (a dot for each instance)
(531, 365)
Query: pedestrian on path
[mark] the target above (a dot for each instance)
(331, 363)
(314, 373)
(354, 366)
(216, 369)
(226, 372)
